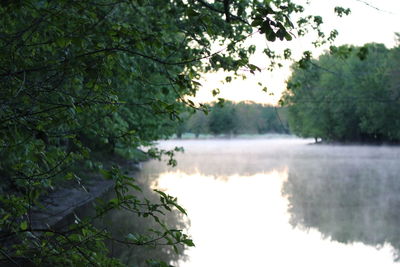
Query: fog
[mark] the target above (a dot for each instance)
(285, 202)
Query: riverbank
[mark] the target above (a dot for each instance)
(63, 201)
(191, 136)
(355, 143)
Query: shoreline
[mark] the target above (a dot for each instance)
(58, 204)
(352, 143)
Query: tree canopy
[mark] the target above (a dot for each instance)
(350, 95)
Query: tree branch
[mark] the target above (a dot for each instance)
(225, 11)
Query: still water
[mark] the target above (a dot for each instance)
(284, 202)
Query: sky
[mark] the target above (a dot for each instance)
(369, 21)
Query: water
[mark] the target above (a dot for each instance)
(283, 202)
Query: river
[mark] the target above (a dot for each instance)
(284, 202)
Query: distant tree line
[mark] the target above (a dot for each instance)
(349, 95)
(236, 118)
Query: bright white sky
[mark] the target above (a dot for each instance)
(365, 24)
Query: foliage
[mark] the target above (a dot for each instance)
(197, 123)
(350, 95)
(222, 119)
(81, 79)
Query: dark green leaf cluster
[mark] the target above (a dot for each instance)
(275, 27)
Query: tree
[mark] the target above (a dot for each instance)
(223, 119)
(198, 123)
(346, 96)
(84, 79)
(237, 118)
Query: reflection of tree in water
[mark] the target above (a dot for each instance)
(347, 201)
(121, 222)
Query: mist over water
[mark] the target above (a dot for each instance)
(225, 157)
(284, 202)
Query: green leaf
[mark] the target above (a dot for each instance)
(165, 90)
(270, 36)
(192, 13)
(188, 242)
(134, 186)
(132, 237)
(180, 208)
(23, 225)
